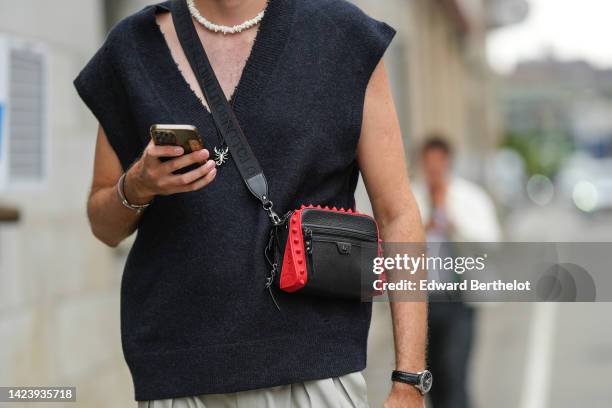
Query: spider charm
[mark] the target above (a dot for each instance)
(221, 155)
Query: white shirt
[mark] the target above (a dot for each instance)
(468, 208)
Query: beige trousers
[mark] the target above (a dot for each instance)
(348, 391)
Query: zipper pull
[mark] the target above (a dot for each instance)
(270, 282)
(308, 240)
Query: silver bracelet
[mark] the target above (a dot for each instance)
(123, 198)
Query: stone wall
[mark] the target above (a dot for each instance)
(59, 303)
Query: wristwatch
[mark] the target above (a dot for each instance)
(422, 381)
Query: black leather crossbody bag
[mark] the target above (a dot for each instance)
(312, 250)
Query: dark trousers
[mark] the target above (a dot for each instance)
(451, 326)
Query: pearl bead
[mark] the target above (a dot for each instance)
(222, 28)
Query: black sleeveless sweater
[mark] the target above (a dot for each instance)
(195, 315)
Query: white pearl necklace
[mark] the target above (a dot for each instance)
(222, 28)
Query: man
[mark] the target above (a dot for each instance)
(307, 84)
(453, 209)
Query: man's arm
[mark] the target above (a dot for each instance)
(382, 163)
(111, 222)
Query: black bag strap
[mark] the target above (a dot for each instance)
(221, 110)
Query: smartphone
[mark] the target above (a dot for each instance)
(185, 136)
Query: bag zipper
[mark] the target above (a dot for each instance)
(342, 231)
(333, 231)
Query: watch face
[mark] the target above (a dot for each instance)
(426, 381)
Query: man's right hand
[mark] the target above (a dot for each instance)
(149, 176)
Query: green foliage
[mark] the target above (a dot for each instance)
(542, 153)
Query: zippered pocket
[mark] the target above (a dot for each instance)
(338, 260)
(341, 232)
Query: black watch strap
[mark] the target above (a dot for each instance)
(421, 381)
(404, 377)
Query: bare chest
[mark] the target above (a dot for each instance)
(228, 55)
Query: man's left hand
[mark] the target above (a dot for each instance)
(404, 396)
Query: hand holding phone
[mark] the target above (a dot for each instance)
(178, 164)
(185, 136)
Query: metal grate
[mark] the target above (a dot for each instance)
(26, 115)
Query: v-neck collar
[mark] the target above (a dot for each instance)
(174, 91)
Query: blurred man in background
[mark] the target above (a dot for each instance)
(454, 210)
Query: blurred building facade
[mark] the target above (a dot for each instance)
(440, 75)
(568, 99)
(59, 305)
